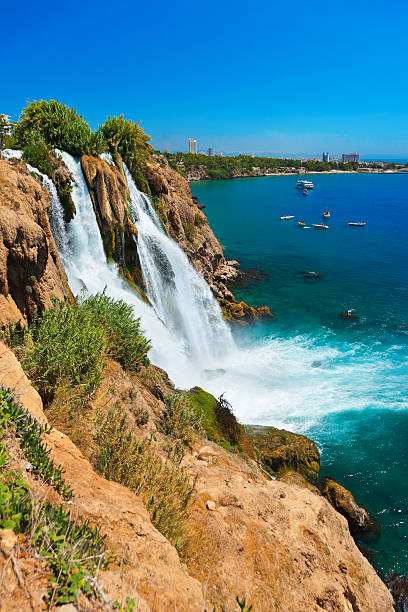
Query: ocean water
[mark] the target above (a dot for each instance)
(342, 382)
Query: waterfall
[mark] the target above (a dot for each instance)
(180, 296)
(185, 322)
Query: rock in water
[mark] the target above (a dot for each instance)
(359, 519)
(398, 586)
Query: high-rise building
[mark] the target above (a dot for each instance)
(350, 157)
(326, 157)
(211, 152)
(220, 154)
(192, 145)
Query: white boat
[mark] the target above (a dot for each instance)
(302, 184)
(357, 223)
(287, 217)
(320, 226)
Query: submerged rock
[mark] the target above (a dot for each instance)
(398, 586)
(281, 451)
(359, 519)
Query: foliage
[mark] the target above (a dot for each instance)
(59, 126)
(198, 220)
(29, 432)
(217, 419)
(64, 194)
(71, 549)
(189, 230)
(162, 485)
(231, 429)
(125, 341)
(128, 139)
(63, 348)
(36, 153)
(179, 419)
(66, 347)
(227, 167)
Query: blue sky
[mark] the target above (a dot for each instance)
(262, 76)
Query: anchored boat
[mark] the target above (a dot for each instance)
(304, 185)
(357, 223)
(284, 217)
(320, 226)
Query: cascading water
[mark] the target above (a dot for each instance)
(181, 298)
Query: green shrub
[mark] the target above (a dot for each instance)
(59, 126)
(128, 139)
(198, 220)
(65, 197)
(189, 230)
(162, 485)
(179, 419)
(29, 433)
(37, 154)
(65, 347)
(125, 341)
(72, 549)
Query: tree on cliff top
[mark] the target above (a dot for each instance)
(59, 126)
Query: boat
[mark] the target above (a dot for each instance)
(304, 192)
(284, 217)
(320, 226)
(304, 185)
(302, 223)
(357, 223)
(326, 213)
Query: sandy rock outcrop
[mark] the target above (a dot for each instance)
(359, 519)
(281, 546)
(31, 272)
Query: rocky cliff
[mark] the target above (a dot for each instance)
(31, 272)
(279, 545)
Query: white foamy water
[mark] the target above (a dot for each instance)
(180, 296)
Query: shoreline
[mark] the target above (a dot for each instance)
(293, 174)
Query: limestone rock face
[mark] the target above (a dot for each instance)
(279, 545)
(282, 451)
(359, 518)
(31, 272)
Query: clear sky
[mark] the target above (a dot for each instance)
(265, 76)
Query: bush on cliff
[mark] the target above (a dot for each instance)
(161, 484)
(66, 347)
(128, 139)
(59, 126)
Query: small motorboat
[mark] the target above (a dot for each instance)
(320, 226)
(357, 224)
(326, 213)
(349, 314)
(302, 223)
(284, 217)
(304, 192)
(309, 274)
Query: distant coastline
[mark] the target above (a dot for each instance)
(196, 177)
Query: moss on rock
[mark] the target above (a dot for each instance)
(280, 451)
(219, 422)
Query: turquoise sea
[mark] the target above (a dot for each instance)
(342, 382)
